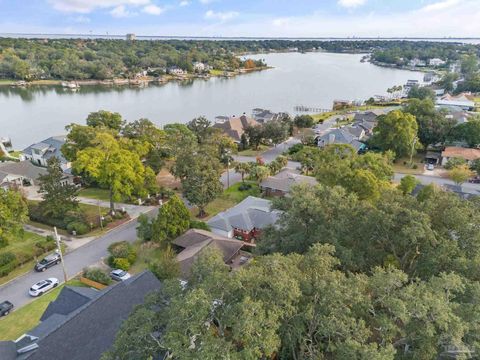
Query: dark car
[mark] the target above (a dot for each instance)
(475, 180)
(48, 261)
(5, 308)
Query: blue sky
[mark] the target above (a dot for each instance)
(276, 18)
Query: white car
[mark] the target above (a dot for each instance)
(119, 275)
(430, 167)
(43, 286)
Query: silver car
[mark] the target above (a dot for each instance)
(119, 275)
(43, 286)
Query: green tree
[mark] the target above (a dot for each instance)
(259, 173)
(475, 166)
(201, 183)
(173, 220)
(303, 121)
(460, 174)
(144, 228)
(59, 198)
(454, 162)
(201, 127)
(421, 93)
(275, 131)
(105, 119)
(242, 168)
(255, 135)
(468, 132)
(408, 184)
(106, 162)
(166, 266)
(396, 131)
(13, 213)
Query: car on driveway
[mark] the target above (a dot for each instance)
(119, 275)
(48, 261)
(430, 167)
(43, 286)
(5, 308)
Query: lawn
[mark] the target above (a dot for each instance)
(215, 72)
(252, 152)
(229, 198)
(95, 193)
(400, 167)
(27, 317)
(146, 252)
(21, 245)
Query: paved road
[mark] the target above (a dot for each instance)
(17, 290)
(426, 180)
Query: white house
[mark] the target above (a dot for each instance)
(436, 62)
(39, 153)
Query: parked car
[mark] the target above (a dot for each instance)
(475, 180)
(119, 275)
(5, 308)
(43, 286)
(48, 261)
(430, 167)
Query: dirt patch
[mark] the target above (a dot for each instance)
(166, 179)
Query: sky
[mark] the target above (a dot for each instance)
(248, 18)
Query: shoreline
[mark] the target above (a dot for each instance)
(138, 82)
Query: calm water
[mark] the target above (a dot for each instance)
(314, 79)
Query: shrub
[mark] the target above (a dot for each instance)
(80, 228)
(6, 258)
(121, 263)
(244, 187)
(97, 275)
(8, 268)
(295, 148)
(123, 250)
(197, 224)
(107, 219)
(454, 162)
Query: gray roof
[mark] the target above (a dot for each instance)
(89, 330)
(251, 213)
(52, 147)
(69, 299)
(22, 168)
(368, 116)
(195, 240)
(285, 179)
(339, 136)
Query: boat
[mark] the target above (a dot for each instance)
(20, 83)
(72, 85)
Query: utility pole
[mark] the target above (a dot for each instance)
(228, 172)
(59, 248)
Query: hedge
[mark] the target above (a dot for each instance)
(121, 263)
(97, 275)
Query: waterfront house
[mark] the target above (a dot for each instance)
(245, 220)
(281, 183)
(339, 136)
(234, 126)
(39, 153)
(463, 101)
(467, 154)
(81, 324)
(435, 62)
(194, 242)
(175, 70)
(263, 116)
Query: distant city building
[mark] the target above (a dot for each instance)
(131, 37)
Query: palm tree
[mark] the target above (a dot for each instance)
(242, 168)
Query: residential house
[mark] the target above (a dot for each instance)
(453, 112)
(339, 136)
(39, 153)
(175, 70)
(24, 172)
(263, 116)
(195, 241)
(459, 152)
(245, 220)
(417, 63)
(81, 324)
(130, 37)
(367, 121)
(463, 101)
(436, 62)
(200, 67)
(235, 126)
(280, 184)
(342, 104)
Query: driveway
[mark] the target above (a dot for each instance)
(16, 291)
(133, 210)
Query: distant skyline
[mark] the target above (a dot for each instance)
(247, 18)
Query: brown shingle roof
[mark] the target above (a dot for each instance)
(235, 126)
(195, 240)
(464, 153)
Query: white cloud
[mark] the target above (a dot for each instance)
(351, 3)
(81, 19)
(441, 5)
(184, 3)
(206, 2)
(221, 16)
(153, 9)
(120, 12)
(87, 6)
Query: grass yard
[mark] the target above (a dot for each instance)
(27, 317)
(252, 152)
(146, 252)
(229, 198)
(215, 72)
(402, 168)
(95, 193)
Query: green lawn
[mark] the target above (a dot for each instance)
(215, 72)
(27, 317)
(95, 193)
(229, 198)
(402, 168)
(252, 152)
(146, 252)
